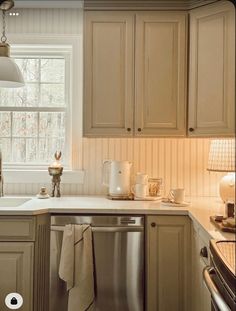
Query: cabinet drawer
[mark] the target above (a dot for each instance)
(17, 228)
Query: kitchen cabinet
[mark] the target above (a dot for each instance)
(168, 260)
(24, 260)
(108, 73)
(16, 272)
(135, 73)
(212, 70)
(160, 73)
(201, 298)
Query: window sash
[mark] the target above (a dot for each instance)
(54, 53)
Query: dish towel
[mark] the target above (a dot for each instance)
(76, 267)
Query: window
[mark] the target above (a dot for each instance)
(34, 119)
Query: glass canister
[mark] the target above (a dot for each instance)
(155, 187)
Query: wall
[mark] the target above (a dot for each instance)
(180, 162)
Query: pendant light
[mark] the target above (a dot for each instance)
(10, 74)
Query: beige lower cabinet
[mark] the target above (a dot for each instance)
(16, 272)
(201, 298)
(24, 260)
(168, 263)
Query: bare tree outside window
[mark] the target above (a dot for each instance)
(32, 118)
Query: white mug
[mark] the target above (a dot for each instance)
(177, 195)
(141, 178)
(140, 190)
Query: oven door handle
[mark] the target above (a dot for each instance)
(215, 294)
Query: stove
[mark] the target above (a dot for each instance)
(220, 277)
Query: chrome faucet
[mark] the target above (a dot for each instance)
(1, 176)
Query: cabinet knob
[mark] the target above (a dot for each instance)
(128, 129)
(153, 224)
(139, 129)
(204, 252)
(191, 129)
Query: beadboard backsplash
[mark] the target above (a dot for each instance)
(180, 162)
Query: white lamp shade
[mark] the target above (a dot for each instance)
(222, 159)
(10, 74)
(222, 155)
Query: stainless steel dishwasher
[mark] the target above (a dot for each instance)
(118, 243)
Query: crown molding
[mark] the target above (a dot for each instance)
(48, 4)
(144, 4)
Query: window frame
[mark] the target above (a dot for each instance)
(34, 53)
(71, 46)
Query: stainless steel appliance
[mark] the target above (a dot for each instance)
(220, 276)
(118, 259)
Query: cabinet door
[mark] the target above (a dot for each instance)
(168, 263)
(205, 294)
(196, 276)
(212, 70)
(16, 272)
(108, 73)
(201, 298)
(160, 74)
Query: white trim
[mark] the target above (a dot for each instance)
(41, 177)
(76, 79)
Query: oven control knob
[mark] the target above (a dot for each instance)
(204, 252)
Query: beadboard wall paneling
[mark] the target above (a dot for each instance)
(46, 21)
(180, 162)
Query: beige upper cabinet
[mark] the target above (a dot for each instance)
(212, 70)
(108, 73)
(160, 74)
(168, 263)
(135, 73)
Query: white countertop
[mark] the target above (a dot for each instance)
(199, 209)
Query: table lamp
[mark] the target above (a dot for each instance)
(222, 159)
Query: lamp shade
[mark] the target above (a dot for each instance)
(222, 155)
(10, 74)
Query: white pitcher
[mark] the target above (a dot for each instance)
(116, 176)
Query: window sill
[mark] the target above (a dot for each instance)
(41, 176)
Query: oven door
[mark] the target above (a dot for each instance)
(218, 301)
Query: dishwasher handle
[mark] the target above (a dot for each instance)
(106, 229)
(215, 294)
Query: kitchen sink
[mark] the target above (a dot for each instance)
(12, 202)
